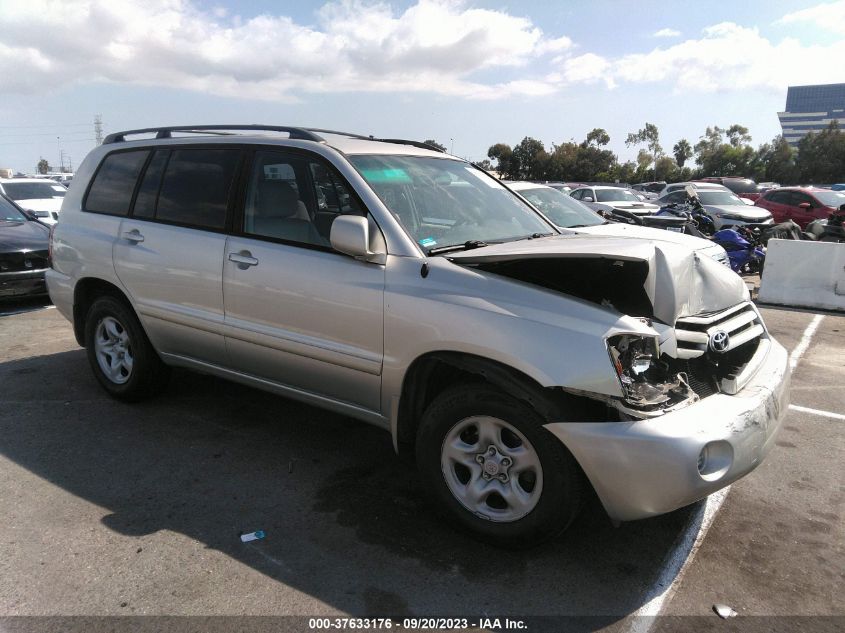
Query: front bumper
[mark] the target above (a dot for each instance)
(647, 467)
(23, 283)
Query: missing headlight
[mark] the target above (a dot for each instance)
(645, 379)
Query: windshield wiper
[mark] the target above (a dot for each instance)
(466, 246)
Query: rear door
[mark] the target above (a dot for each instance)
(777, 202)
(299, 313)
(169, 253)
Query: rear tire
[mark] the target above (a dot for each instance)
(119, 352)
(488, 464)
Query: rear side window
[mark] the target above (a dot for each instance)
(778, 197)
(145, 201)
(113, 186)
(196, 187)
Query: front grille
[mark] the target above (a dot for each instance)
(23, 262)
(741, 323)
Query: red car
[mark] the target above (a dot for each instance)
(801, 204)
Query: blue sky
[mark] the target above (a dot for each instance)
(466, 73)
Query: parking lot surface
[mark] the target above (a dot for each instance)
(117, 509)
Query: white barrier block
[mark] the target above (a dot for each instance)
(804, 274)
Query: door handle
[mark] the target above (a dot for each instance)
(133, 236)
(244, 259)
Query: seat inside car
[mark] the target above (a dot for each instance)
(278, 212)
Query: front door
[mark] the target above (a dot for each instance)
(297, 312)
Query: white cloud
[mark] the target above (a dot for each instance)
(433, 46)
(667, 33)
(828, 16)
(587, 68)
(727, 57)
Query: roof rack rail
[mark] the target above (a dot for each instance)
(401, 141)
(166, 132)
(398, 141)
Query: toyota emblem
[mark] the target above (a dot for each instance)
(719, 341)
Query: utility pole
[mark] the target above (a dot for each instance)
(98, 128)
(61, 153)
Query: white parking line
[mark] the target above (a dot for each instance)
(689, 541)
(804, 343)
(819, 412)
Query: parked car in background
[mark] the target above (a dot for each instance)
(722, 206)
(23, 252)
(42, 196)
(802, 205)
(400, 286)
(742, 187)
(569, 214)
(651, 190)
(838, 187)
(606, 199)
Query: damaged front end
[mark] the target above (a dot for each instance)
(649, 387)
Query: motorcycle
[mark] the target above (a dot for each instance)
(830, 230)
(745, 251)
(697, 222)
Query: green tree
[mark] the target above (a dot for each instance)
(718, 156)
(666, 169)
(529, 160)
(44, 167)
(780, 165)
(434, 143)
(485, 164)
(503, 155)
(597, 137)
(682, 152)
(650, 136)
(821, 156)
(738, 135)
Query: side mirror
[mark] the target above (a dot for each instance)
(587, 199)
(30, 215)
(350, 235)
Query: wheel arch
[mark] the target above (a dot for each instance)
(433, 372)
(85, 292)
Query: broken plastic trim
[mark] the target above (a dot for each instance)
(647, 385)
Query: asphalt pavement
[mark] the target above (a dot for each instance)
(112, 509)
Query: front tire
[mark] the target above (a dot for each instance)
(119, 352)
(488, 464)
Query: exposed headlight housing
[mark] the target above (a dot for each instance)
(644, 378)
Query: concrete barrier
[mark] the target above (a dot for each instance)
(804, 274)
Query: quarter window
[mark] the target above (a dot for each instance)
(111, 191)
(196, 187)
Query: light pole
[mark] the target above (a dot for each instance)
(452, 149)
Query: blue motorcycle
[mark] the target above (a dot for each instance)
(746, 255)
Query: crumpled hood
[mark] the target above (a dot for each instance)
(679, 281)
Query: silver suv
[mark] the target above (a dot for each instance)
(519, 363)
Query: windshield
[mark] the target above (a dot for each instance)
(34, 190)
(614, 194)
(830, 198)
(718, 197)
(561, 209)
(443, 202)
(8, 212)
